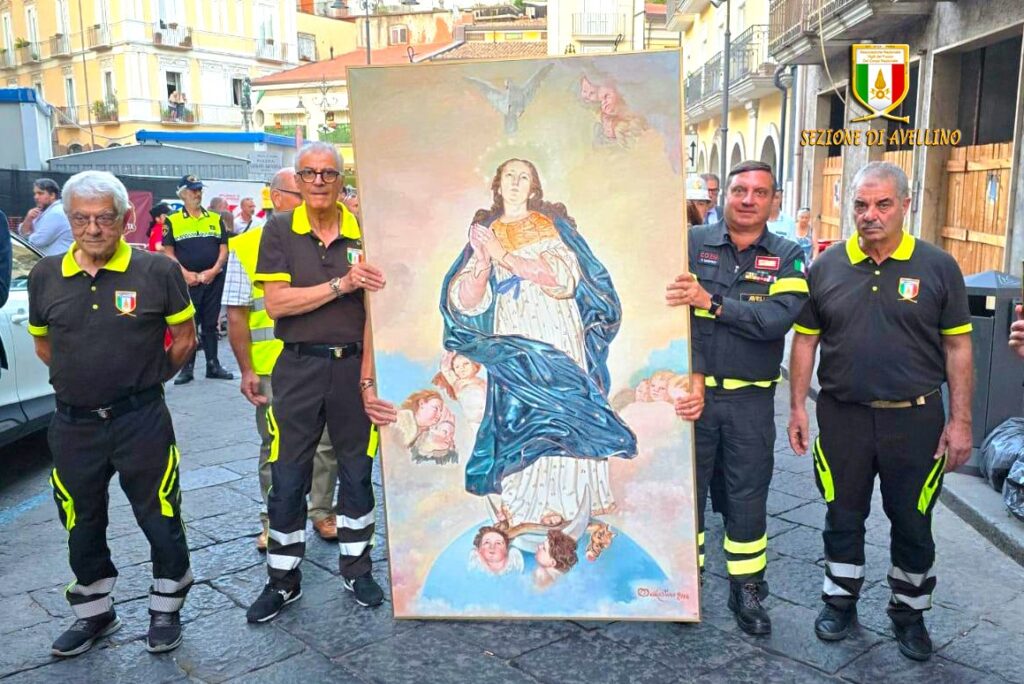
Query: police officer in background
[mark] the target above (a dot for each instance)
(198, 240)
(892, 316)
(312, 271)
(101, 296)
(745, 288)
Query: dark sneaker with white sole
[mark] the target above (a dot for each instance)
(270, 603)
(367, 592)
(164, 632)
(80, 636)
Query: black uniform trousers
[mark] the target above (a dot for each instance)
(855, 443)
(206, 299)
(310, 392)
(139, 446)
(735, 436)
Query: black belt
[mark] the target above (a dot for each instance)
(326, 351)
(114, 409)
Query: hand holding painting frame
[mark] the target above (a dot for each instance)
(537, 469)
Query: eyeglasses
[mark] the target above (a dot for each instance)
(328, 175)
(293, 193)
(102, 220)
(739, 192)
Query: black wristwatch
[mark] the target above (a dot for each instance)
(716, 304)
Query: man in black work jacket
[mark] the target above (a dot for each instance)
(745, 288)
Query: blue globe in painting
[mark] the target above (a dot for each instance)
(455, 588)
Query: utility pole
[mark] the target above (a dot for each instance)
(85, 76)
(726, 59)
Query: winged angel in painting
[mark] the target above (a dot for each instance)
(529, 301)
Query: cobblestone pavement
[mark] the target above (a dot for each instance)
(976, 624)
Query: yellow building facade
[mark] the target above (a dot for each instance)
(755, 103)
(113, 67)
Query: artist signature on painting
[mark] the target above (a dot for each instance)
(662, 594)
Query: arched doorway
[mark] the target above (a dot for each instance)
(714, 165)
(74, 148)
(769, 155)
(702, 162)
(737, 155)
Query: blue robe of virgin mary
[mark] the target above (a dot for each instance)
(539, 402)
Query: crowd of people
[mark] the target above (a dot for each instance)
(887, 312)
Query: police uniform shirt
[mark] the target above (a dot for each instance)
(291, 253)
(196, 239)
(763, 289)
(881, 325)
(106, 333)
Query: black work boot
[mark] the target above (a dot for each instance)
(913, 639)
(164, 632)
(185, 375)
(81, 635)
(835, 624)
(215, 371)
(745, 602)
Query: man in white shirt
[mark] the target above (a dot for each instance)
(778, 222)
(246, 218)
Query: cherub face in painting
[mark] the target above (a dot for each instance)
(610, 100)
(516, 180)
(463, 367)
(429, 412)
(643, 391)
(659, 388)
(443, 435)
(543, 555)
(493, 551)
(588, 91)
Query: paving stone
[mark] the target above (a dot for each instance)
(793, 637)
(1010, 616)
(714, 599)
(128, 664)
(229, 526)
(318, 585)
(202, 600)
(244, 466)
(206, 503)
(51, 600)
(800, 542)
(810, 515)
(222, 456)
(884, 663)
(991, 648)
(20, 611)
(222, 646)
(430, 654)
(339, 626)
(592, 625)
(29, 647)
(308, 666)
(208, 476)
(588, 658)
(776, 527)
(761, 667)
(787, 461)
(510, 639)
(796, 581)
(248, 487)
(780, 502)
(800, 486)
(222, 559)
(690, 650)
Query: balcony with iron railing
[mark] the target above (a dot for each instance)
(102, 111)
(98, 36)
(172, 35)
(712, 82)
(751, 75)
(693, 90)
(598, 25)
(7, 60)
(180, 114)
(60, 45)
(67, 116)
(270, 50)
(29, 52)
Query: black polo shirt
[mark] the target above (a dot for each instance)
(881, 325)
(106, 333)
(763, 289)
(196, 239)
(291, 253)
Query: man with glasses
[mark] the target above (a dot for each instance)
(713, 215)
(198, 240)
(102, 295)
(251, 333)
(745, 288)
(312, 270)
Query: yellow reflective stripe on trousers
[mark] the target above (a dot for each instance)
(784, 285)
(167, 484)
(824, 472)
(66, 502)
(931, 485)
(747, 567)
(746, 547)
(275, 436)
(733, 383)
(371, 447)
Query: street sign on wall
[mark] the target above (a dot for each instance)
(263, 165)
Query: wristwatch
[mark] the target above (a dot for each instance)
(366, 383)
(335, 284)
(716, 304)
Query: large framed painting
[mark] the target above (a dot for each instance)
(528, 215)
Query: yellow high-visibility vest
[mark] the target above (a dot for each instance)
(265, 347)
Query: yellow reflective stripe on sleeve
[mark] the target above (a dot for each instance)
(38, 330)
(703, 313)
(272, 278)
(824, 472)
(66, 501)
(182, 316)
(746, 547)
(784, 285)
(806, 331)
(747, 567)
(275, 436)
(700, 538)
(958, 330)
(734, 384)
(168, 482)
(931, 485)
(371, 447)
